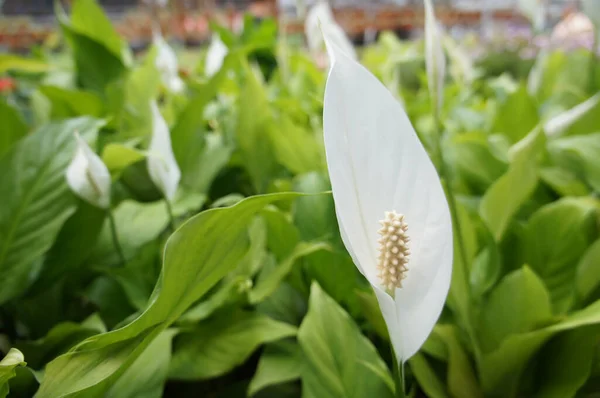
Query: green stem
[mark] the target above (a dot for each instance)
(171, 217)
(398, 373)
(115, 236)
(593, 61)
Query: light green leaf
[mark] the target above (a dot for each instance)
(269, 281)
(283, 236)
(218, 345)
(428, 380)
(36, 199)
(501, 202)
(117, 157)
(580, 154)
(12, 62)
(370, 308)
(501, 369)
(314, 215)
(197, 256)
(12, 128)
(519, 304)
(563, 181)
(566, 362)
(147, 376)
(556, 236)
(587, 275)
(517, 116)
(72, 103)
(280, 362)
(339, 360)
(8, 364)
(295, 148)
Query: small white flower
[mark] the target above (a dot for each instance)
(88, 177)
(435, 61)
(162, 166)
(390, 205)
(167, 65)
(217, 51)
(320, 21)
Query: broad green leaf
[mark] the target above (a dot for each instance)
(295, 148)
(280, 362)
(12, 62)
(504, 198)
(335, 272)
(519, 304)
(253, 132)
(147, 376)
(218, 345)
(8, 364)
(517, 116)
(59, 340)
(268, 281)
(500, 370)
(72, 103)
(486, 269)
(566, 362)
(461, 378)
(118, 157)
(581, 119)
(314, 215)
(283, 236)
(427, 378)
(196, 257)
(339, 360)
(36, 199)
(564, 182)
(285, 304)
(88, 18)
(556, 236)
(370, 309)
(12, 128)
(581, 154)
(587, 274)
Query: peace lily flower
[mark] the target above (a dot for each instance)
(88, 177)
(166, 63)
(320, 21)
(435, 61)
(217, 51)
(390, 205)
(592, 9)
(162, 166)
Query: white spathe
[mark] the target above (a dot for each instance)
(320, 21)
(162, 166)
(435, 60)
(535, 11)
(88, 177)
(167, 65)
(377, 164)
(215, 55)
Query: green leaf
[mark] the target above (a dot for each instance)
(429, 381)
(147, 376)
(339, 360)
(580, 154)
(461, 378)
(564, 182)
(504, 198)
(283, 236)
(220, 344)
(519, 304)
(36, 199)
(117, 157)
(587, 275)
(296, 149)
(501, 369)
(556, 237)
(314, 215)
(516, 116)
(12, 62)
(566, 362)
(12, 128)
(269, 281)
(197, 256)
(88, 19)
(13, 359)
(279, 363)
(72, 103)
(486, 269)
(370, 308)
(253, 132)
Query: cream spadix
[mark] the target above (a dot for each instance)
(162, 166)
(389, 201)
(88, 177)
